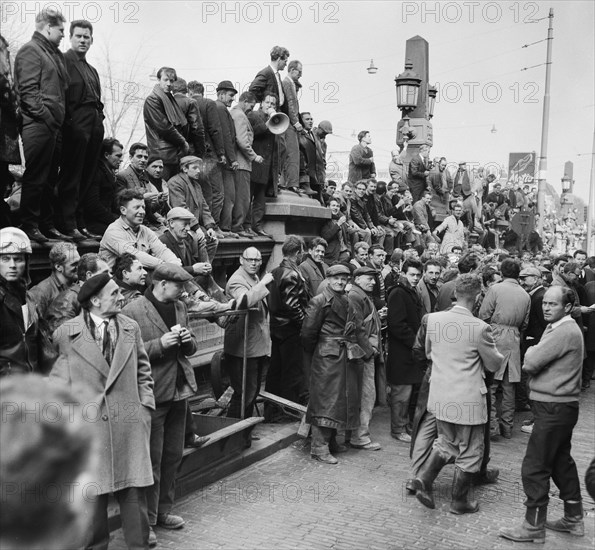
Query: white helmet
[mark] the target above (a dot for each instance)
(14, 241)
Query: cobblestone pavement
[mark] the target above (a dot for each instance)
(290, 501)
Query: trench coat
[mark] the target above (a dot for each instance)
(506, 307)
(121, 397)
(334, 380)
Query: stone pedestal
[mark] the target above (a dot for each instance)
(291, 214)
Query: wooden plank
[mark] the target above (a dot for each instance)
(283, 402)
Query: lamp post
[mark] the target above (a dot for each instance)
(432, 93)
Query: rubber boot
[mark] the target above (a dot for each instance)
(572, 522)
(461, 484)
(426, 478)
(531, 530)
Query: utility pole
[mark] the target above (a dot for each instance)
(590, 211)
(542, 174)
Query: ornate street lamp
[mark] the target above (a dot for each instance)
(408, 84)
(432, 93)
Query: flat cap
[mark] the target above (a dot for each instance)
(226, 85)
(326, 126)
(92, 286)
(152, 158)
(179, 213)
(530, 272)
(364, 271)
(190, 159)
(171, 272)
(338, 269)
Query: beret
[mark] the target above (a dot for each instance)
(92, 286)
(364, 271)
(171, 272)
(152, 158)
(530, 272)
(337, 269)
(179, 213)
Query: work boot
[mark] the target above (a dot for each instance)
(531, 530)
(572, 522)
(487, 476)
(426, 478)
(461, 484)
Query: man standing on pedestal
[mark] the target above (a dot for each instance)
(418, 173)
(82, 132)
(289, 152)
(361, 159)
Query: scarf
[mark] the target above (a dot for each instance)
(172, 110)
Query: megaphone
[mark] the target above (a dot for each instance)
(278, 123)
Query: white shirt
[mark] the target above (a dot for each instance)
(100, 324)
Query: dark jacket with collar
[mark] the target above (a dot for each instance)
(196, 129)
(213, 134)
(41, 81)
(403, 319)
(77, 93)
(228, 132)
(266, 81)
(288, 298)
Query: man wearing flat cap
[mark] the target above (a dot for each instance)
(225, 94)
(330, 338)
(185, 191)
(364, 316)
(101, 353)
(163, 321)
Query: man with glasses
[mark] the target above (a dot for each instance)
(250, 291)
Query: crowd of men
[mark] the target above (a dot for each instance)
(357, 317)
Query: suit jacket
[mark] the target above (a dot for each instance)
(259, 336)
(213, 133)
(422, 215)
(308, 146)
(188, 194)
(265, 80)
(244, 138)
(361, 163)
(291, 100)
(417, 179)
(424, 294)
(192, 252)
(462, 184)
(164, 363)
(118, 402)
(313, 275)
(41, 80)
(263, 145)
(460, 346)
(196, 129)
(228, 132)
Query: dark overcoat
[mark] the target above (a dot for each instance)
(334, 381)
(403, 319)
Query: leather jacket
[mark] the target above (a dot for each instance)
(288, 298)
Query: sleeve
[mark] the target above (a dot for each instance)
(214, 128)
(156, 119)
(292, 291)
(236, 289)
(144, 378)
(224, 119)
(542, 354)
(355, 317)
(492, 359)
(487, 306)
(329, 230)
(313, 320)
(189, 348)
(161, 251)
(292, 104)
(258, 124)
(258, 86)
(197, 129)
(177, 197)
(206, 218)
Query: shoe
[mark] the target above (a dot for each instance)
(261, 233)
(326, 459)
(338, 448)
(494, 436)
(170, 521)
(506, 432)
(219, 234)
(531, 530)
(230, 235)
(461, 485)
(36, 235)
(307, 190)
(54, 235)
(75, 235)
(523, 407)
(572, 522)
(412, 486)
(403, 436)
(152, 537)
(585, 386)
(490, 475)
(242, 234)
(84, 231)
(296, 190)
(528, 429)
(250, 231)
(196, 441)
(426, 478)
(372, 446)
